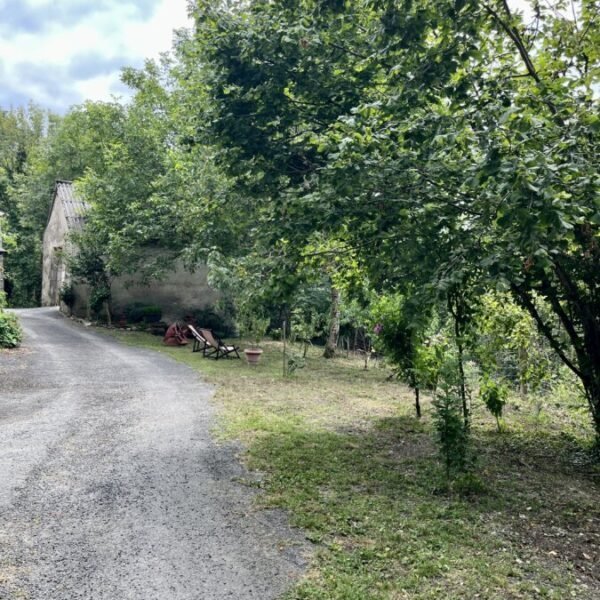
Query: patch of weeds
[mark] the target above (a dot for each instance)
(468, 485)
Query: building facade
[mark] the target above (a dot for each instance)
(177, 293)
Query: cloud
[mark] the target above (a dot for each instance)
(37, 17)
(61, 53)
(13, 98)
(92, 64)
(50, 95)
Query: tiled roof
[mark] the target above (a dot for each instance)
(74, 208)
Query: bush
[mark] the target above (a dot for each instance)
(141, 312)
(99, 295)
(151, 313)
(11, 333)
(452, 433)
(133, 312)
(210, 318)
(494, 396)
(67, 295)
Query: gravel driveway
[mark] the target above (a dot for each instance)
(111, 486)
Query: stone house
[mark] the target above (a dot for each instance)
(178, 293)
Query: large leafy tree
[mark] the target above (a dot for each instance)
(263, 87)
(145, 192)
(498, 169)
(456, 144)
(120, 186)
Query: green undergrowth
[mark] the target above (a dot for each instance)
(340, 449)
(11, 333)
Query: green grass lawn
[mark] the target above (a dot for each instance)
(340, 449)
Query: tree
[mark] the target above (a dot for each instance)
(448, 138)
(45, 148)
(88, 265)
(259, 95)
(22, 132)
(402, 328)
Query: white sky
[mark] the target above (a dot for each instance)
(61, 52)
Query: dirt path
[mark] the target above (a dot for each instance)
(111, 486)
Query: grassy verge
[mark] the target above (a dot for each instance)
(341, 450)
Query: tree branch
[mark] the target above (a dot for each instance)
(515, 36)
(525, 300)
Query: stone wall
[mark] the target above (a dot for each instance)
(177, 293)
(53, 267)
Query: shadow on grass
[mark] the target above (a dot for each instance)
(372, 501)
(547, 450)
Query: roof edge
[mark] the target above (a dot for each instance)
(57, 182)
(54, 192)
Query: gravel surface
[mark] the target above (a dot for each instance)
(111, 486)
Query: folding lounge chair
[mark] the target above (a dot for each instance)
(215, 348)
(199, 342)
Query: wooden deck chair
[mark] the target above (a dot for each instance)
(215, 348)
(199, 342)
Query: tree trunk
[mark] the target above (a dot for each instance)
(579, 317)
(589, 364)
(417, 403)
(462, 386)
(456, 304)
(334, 324)
(591, 385)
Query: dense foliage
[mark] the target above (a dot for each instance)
(22, 135)
(10, 330)
(11, 333)
(449, 143)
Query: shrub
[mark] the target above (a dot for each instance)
(10, 330)
(133, 312)
(494, 396)
(294, 362)
(67, 295)
(142, 312)
(99, 295)
(210, 318)
(452, 431)
(306, 325)
(151, 313)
